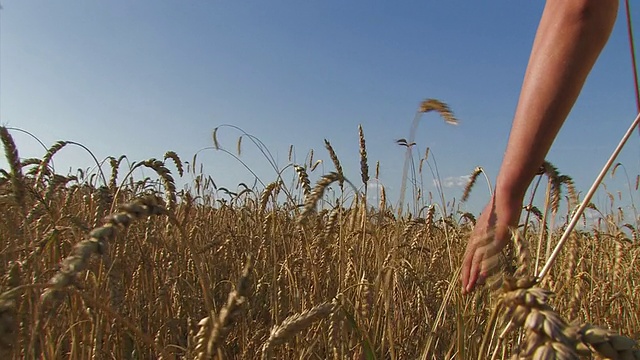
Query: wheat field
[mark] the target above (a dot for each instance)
(109, 266)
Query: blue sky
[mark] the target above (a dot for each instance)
(143, 77)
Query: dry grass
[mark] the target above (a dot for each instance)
(192, 274)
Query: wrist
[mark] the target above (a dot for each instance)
(510, 192)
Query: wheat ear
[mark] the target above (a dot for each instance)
(115, 166)
(11, 153)
(607, 344)
(364, 165)
(47, 158)
(317, 193)
(547, 335)
(97, 242)
(167, 180)
(224, 320)
(176, 160)
(522, 254)
(270, 190)
(556, 182)
(335, 160)
(303, 179)
(472, 180)
(295, 324)
(440, 107)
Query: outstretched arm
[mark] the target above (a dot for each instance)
(569, 39)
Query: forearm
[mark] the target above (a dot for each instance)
(569, 39)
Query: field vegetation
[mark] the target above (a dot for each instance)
(105, 265)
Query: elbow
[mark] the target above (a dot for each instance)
(589, 11)
(595, 16)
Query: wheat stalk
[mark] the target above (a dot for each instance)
(8, 310)
(585, 202)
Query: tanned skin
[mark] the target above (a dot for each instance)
(570, 37)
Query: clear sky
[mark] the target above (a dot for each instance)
(143, 77)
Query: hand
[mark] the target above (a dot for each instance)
(489, 237)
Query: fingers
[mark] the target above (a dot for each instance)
(466, 267)
(474, 272)
(489, 237)
(471, 265)
(481, 258)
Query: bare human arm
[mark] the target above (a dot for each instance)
(570, 37)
